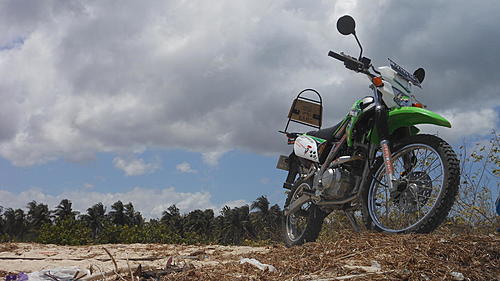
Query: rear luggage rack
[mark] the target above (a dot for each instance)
(305, 111)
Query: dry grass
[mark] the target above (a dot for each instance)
(348, 255)
(401, 257)
(8, 247)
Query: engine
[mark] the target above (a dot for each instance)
(336, 183)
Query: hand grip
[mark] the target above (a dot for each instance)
(336, 56)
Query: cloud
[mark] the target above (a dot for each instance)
(465, 123)
(212, 158)
(135, 167)
(235, 203)
(150, 202)
(94, 77)
(185, 167)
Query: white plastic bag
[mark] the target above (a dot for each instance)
(258, 264)
(61, 273)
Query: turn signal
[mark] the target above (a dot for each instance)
(418, 105)
(377, 81)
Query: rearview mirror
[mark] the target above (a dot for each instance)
(419, 74)
(346, 25)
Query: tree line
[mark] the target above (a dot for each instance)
(124, 224)
(472, 211)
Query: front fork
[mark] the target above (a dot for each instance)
(389, 167)
(382, 123)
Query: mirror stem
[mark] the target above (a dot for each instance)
(359, 44)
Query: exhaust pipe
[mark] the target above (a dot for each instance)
(295, 205)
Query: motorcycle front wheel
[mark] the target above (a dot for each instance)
(427, 180)
(305, 224)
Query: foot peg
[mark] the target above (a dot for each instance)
(287, 185)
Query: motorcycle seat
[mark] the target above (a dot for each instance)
(326, 133)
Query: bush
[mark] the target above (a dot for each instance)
(65, 232)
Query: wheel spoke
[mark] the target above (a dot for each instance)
(438, 176)
(296, 223)
(430, 165)
(420, 169)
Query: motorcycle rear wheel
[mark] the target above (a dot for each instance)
(426, 190)
(305, 224)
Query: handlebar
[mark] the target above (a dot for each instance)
(336, 56)
(351, 62)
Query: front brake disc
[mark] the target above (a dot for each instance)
(415, 193)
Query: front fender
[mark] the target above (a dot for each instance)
(410, 116)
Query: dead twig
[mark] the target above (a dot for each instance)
(130, 269)
(51, 276)
(112, 258)
(115, 264)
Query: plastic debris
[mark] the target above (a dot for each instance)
(425, 277)
(17, 277)
(61, 274)
(258, 264)
(457, 276)
(375, 267)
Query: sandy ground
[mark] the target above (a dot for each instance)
(347, 256)
(29, 257)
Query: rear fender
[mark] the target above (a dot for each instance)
(408, 117)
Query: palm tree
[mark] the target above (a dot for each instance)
(236, 225)
(172, 217)
(208, 215)
(117, 213)
(261, 204)
(132, 217)
(95, 217)
(15, 223)
(38, 215)
(64, 211)
(199, 222)
(2, 222)
(262, 218)
(275, 218)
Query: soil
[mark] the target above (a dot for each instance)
(349, 256)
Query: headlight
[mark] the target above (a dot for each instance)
(400, 98)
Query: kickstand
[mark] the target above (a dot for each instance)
(352, 220)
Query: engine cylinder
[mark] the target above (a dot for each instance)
(336, 183)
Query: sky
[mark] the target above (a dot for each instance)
(179, 102)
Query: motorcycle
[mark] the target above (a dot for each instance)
(373, 161)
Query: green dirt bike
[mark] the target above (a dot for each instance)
(374, 160)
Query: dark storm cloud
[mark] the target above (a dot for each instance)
(121, 76)
(456, 42)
